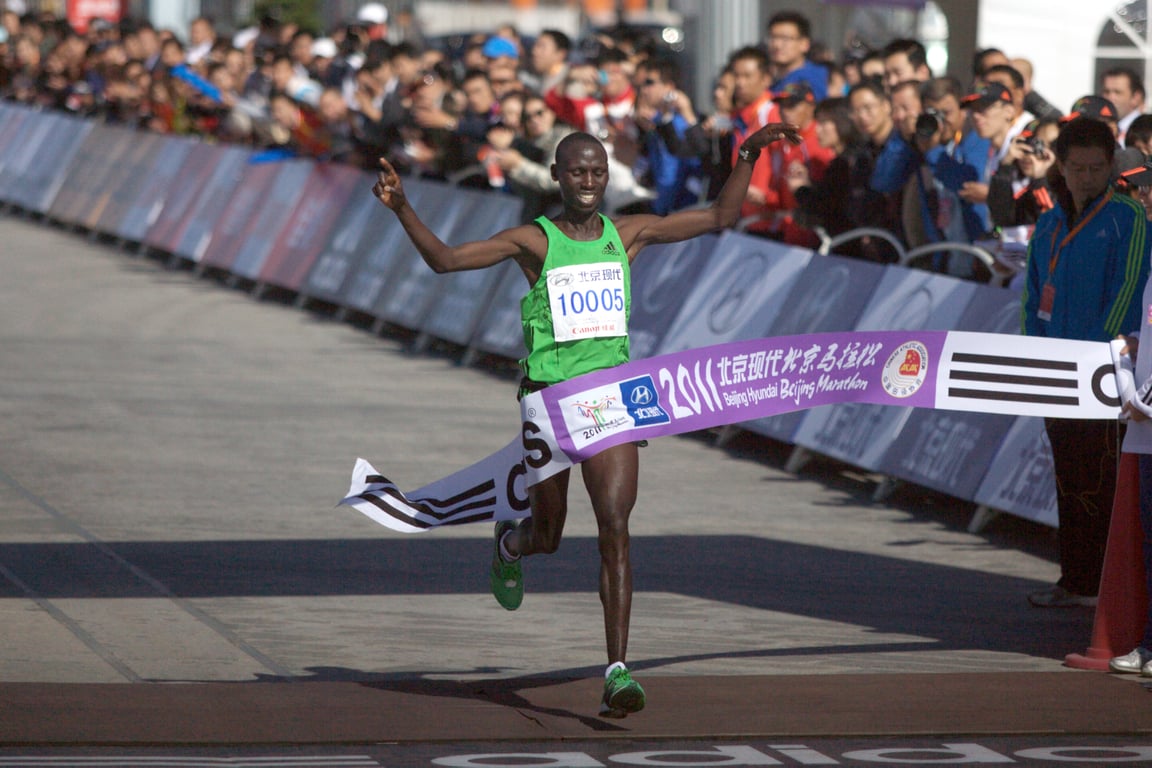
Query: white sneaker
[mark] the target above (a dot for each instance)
(1137, 661)
(1058, 597)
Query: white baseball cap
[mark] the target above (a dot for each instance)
(243, 37)
(373, 13)
(324, 48)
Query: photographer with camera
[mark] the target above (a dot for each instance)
(907, 108)
(929, 181)
(663, 111)
(933, 210)
(1018, 193)
(993, 114)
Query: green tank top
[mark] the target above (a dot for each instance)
(575, 317)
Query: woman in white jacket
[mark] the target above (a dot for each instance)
(1138, 438)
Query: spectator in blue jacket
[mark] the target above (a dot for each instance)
(959, 152)
(905, 60)
(675, 179)
(789, 41)
(895, 160)
(1087, 263)
(881, 165)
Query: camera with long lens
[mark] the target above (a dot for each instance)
(929, 123)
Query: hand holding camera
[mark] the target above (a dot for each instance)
(931, 129)
(1032, 155)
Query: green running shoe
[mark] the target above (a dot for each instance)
(622, 695)
(507, 578)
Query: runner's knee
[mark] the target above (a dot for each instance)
(614, 538)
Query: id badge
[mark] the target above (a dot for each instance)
(1047, 301)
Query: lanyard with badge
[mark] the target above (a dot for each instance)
(1048, 295)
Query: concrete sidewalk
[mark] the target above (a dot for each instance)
(171, 459)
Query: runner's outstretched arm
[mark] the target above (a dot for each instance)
(440, 256)
(642, 230)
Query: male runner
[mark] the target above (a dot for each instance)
(567, 336)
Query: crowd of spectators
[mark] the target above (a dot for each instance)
(887, 143)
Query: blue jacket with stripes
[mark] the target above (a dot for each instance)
(1098, 277)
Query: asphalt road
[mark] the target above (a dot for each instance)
(171, 457)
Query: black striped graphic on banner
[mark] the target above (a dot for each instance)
(1046, 385)
(481, 498)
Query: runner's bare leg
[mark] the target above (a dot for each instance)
(611, 478)
(540, 533)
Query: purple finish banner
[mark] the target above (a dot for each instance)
(735, 382)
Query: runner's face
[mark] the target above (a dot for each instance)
(582, 172)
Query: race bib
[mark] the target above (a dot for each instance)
(587, 301)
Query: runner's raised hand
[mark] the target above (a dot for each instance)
(388, 188)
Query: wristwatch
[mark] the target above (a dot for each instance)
(748, 155)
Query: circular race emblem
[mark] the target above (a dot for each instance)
(906, 369)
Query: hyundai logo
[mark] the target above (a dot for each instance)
(641, 396)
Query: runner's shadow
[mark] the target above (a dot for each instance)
(504, 692)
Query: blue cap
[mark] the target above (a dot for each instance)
(500, 46)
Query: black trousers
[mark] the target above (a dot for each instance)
(1085, 458)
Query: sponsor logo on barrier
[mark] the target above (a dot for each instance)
(906, 369)
(736, 299)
